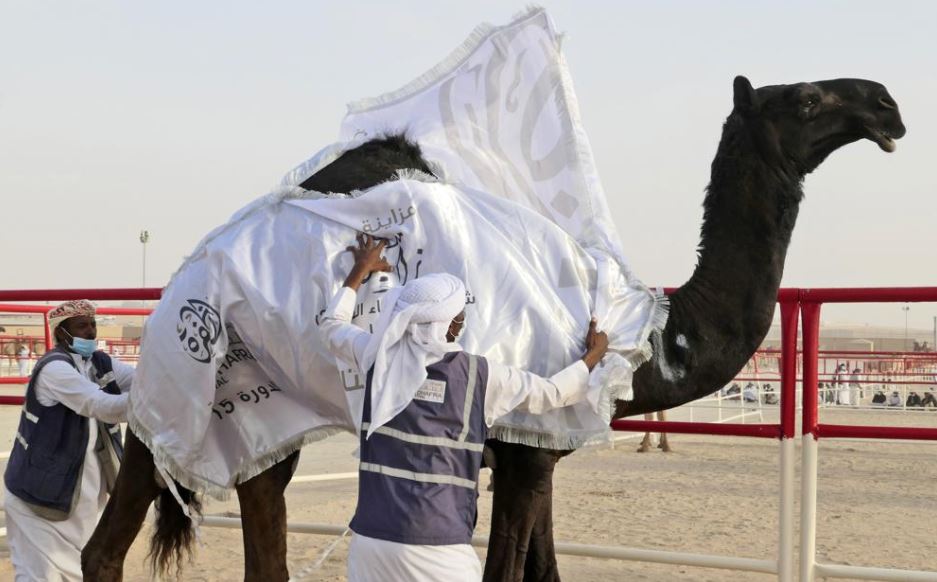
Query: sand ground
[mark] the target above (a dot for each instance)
(877, 503)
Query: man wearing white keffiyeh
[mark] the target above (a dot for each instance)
(427, 408)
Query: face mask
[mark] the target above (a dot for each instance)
(81, 346)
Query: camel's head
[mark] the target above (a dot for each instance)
(806, 122)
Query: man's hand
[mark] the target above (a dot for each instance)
(596, 346)
(368, 259)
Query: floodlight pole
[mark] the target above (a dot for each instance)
(144, 238)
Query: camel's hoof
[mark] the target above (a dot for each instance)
(642, 449)
(666, 449)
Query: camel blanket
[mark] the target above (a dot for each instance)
(233, 376)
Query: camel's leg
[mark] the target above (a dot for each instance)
(645, 445)
(521, 542)
(664, 445)
(102, 559)
(541, 563)
(263, 522)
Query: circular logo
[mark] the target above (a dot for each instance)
(199, 328)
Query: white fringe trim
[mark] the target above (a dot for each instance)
(543, 440)
(449, 64)
(165, 463)
(660, 312)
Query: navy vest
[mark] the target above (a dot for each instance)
(49, 450)
(418, 477)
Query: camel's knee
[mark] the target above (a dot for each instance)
(98, 567)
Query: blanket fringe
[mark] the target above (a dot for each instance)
(542, 440)
(219, 491)
(660, 312)
(479, 35)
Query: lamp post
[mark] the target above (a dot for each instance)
(906, 308)
(144, 238)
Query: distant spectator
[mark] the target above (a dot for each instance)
(750, 394)
(928, 400)
(22, 360)
(879, 398)
(913, 401)
(841, 387)
(855, 386)
(732, 391)
(769, 396)
(894, 399)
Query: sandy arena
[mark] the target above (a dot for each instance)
(714, 495)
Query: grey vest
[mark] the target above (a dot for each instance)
(418, 478)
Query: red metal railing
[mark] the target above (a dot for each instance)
(790, 306)
(792, 303)
(811, 301)
(66, 295)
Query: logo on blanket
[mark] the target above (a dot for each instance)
(199, 328)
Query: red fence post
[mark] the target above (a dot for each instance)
(790, 309)
(811, 320)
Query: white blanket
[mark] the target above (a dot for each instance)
(233, 376)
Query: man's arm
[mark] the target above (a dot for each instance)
(123, 374)
(344, 340)
(513, 389)
(60, 382)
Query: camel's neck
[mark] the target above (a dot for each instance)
(720, 316)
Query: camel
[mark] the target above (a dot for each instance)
(772, 139)
(663, 445)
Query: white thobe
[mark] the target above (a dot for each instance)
(50, 551)
(372, 560)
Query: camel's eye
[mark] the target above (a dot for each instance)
(809, 101)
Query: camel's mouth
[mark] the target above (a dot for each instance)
(885, 141)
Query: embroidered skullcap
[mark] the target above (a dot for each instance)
(74, 308)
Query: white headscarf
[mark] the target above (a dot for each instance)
(409, 336)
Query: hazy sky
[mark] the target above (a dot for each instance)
(169, 116)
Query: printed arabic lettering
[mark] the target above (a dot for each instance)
(397, 216)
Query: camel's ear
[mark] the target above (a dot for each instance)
(746, 101)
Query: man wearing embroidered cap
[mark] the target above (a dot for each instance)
(427, 407)
(62, 466)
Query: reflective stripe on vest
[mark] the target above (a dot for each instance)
(418, 439)
(469, 395)
(420, 477)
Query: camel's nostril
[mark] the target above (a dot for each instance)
(886, 103)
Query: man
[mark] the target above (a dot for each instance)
(855, 386)
(22, 360)
(840, 385)
(426, 411)
(62, 465)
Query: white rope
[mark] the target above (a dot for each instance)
(305, 572)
